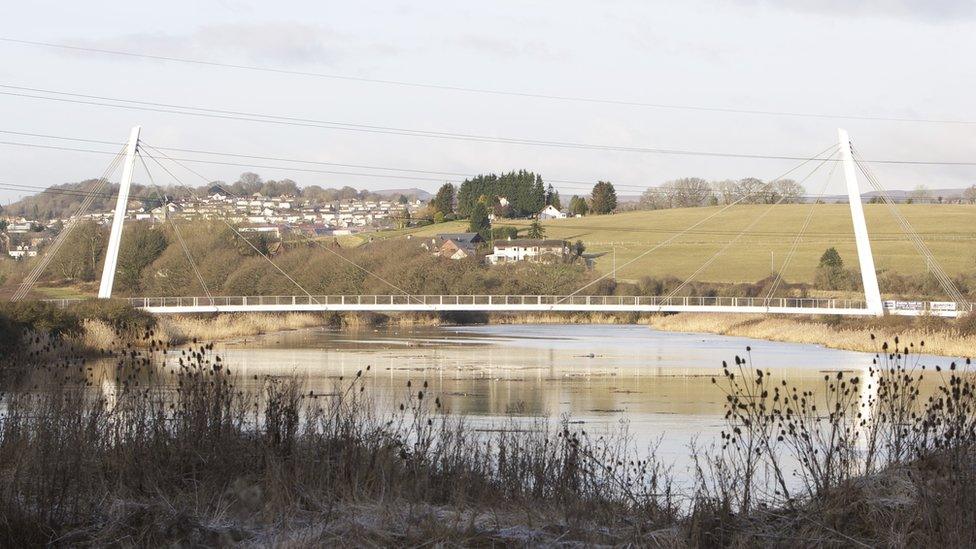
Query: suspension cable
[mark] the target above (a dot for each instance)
(941, 276)
(236, 232)
(321, 245)
(695, 225)
(737, 237)
(779, 275)
(28, 283)
(178, 233)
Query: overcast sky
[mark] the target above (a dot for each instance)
(898, 59)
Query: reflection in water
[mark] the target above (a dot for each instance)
(658, 383)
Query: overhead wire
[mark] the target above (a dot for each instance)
(732, 242)
(340, 256)
(96, 100)
(484, 91)
(781, 272)
(32, 277)
(691, 227)
(236, 232)
(179, 235)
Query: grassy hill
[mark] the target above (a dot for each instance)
(949, 231)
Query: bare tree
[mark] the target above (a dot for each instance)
(655, 198)
(753, 190)
(921, 193)
(969, 195)
(689, 191)
(786, 191)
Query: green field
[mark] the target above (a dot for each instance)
(948, 230)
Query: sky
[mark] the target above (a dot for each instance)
(879, 59)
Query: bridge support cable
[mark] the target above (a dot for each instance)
(95, 191)
(672, 238)
(945, 281)
(179, 234)
(235, 231)
(708, 262)
(323, 246)
(780, 273)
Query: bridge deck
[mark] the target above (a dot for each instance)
(526, 303)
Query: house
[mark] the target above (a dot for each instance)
(472, 239)
(550, 212)
(455, 245)
(452, 249)
(529, 249)
(23, 251)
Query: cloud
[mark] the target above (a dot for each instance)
(503, 48)
(280, 43)
(932, 11)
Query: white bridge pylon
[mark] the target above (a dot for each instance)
(869, 276)
(121, 205)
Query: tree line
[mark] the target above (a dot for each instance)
(689, 192)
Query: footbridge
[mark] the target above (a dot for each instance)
(528, 303)
(841, 154)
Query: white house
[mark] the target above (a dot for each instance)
(550, 212)
(528, 249)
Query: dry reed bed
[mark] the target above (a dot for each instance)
(195, 461)
(941, 338)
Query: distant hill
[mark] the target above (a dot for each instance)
(409, 193)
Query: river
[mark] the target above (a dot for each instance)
(603, 377)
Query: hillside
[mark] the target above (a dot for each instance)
(949, 231)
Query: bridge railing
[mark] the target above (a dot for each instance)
(485, 300)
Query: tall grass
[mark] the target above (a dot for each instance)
(145, 464)
(942, 336)
(181, 454)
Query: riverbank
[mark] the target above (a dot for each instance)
(944, 337)
(953, 338)
(207, 464)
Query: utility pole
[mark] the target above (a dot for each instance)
(614, 270)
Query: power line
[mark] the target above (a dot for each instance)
(95, 100)
(570, 186)
(486, 91)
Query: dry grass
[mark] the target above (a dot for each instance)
(194, 461)
(940, 337)
(179, 328)
(947, 229)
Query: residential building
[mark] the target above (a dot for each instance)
(529, 249)
(453, 249)
(550, 212)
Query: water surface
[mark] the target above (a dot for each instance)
(602, 376)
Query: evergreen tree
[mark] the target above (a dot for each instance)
(443, 201)
(552, 197)
(524, 191)
(536, 230)
(830, 274)
(578, 206)
(603, 200)
(479, 222)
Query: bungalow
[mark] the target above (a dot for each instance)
(455, 245)
(529, 249)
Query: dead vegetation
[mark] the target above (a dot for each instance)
(180, 455)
